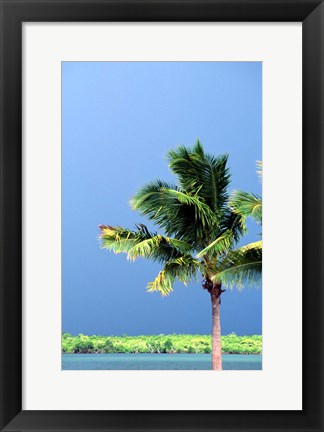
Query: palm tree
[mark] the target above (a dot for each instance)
(200, 232)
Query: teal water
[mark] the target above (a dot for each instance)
(157, 362)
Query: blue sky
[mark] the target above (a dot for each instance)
(118, 121)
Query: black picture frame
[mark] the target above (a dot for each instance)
(13, 14)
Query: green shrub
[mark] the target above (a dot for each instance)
(173, 343)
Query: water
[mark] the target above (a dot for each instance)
(157, 362)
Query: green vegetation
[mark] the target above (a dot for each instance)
(172, 344)
(247, 204)
(201, 229)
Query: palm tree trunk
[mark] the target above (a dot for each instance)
(216, 329)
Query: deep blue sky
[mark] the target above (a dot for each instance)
(118, 121)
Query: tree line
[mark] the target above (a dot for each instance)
(159, 344)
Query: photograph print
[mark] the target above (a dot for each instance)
(162, 215)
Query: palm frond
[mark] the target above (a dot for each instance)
(235, 222)
(183, 269)
(240, 266)
(203, 173)
(119, 239)
(218, 246)
(142, 243)
(203, 213)
(247, 205)
(158, 246)
(180, 214)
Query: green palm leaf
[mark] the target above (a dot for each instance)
(142, 243)
(156, 245)
(203, 173)
(243, 265)
(180, 214)
(183, 269)
(219, 246)
(118, 239)
(234, 222)
(247, 205)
